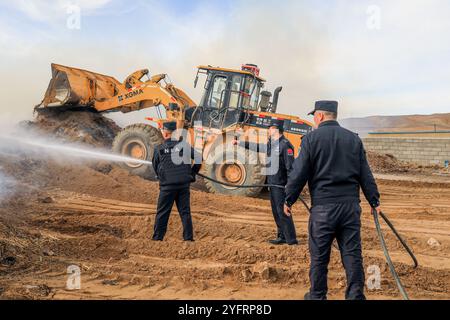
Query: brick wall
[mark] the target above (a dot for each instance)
(419, 150)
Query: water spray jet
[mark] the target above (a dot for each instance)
(64, 150)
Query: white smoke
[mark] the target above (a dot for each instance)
(20, 147)
(7, 186)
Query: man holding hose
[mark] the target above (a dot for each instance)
(175, 172)
(333, 162)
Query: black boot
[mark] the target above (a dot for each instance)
(307, 296)
(277, 241)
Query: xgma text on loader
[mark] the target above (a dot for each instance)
(233, 103)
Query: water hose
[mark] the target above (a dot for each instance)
(377, 226)
(388, 257)
(241, 186)
(259, 186)
(254, 186)
(405, 246)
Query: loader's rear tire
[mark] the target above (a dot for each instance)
(241, 167)
(137, 141)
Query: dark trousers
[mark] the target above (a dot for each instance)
(340, 221)
(285, 224)
(165, 203)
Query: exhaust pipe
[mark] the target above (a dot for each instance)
(264, 103)
(276, 95)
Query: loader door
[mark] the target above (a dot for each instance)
(221, 101)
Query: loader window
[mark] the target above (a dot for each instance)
(205, 97)
(219, 85)
(235, 91)
(254, 98)
(251, 88)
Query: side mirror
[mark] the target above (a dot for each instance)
(196, 81)
(173, 107)
(207, 82)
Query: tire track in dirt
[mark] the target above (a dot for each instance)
(92, 204)
(230, 251)
(108, 206)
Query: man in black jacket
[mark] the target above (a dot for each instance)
(280, 154)
(333, 162)
(173, 167)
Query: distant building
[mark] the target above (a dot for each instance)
(421, 147)
(411, 134)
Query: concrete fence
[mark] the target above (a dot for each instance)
(418, 150)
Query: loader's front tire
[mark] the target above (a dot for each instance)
(137, 141)
(241, 167)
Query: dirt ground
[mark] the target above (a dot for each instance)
(100, 218)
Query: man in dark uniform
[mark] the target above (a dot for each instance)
(280, 153)
(173, 167)
(333, 162)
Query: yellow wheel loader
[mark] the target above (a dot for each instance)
(233, 104)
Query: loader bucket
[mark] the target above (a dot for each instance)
(76, 87)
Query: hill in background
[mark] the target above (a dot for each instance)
(363, 126)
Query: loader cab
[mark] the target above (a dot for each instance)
(228, 94)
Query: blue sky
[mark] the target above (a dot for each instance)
(316, 50)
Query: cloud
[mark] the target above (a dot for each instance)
(287, 43)
(49, 10)
(314, 50)
(398, 69)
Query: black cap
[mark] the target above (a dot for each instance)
(277, 123)
(325, 105)
(170, 126)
